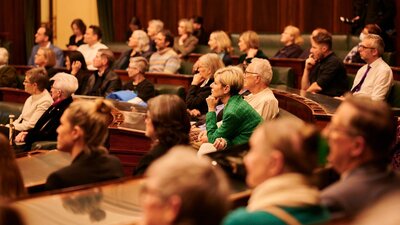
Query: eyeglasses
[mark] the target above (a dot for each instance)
(248, 73)
(341, 129)
(360, 46)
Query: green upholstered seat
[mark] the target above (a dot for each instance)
(170, 89)
(283, 76)
(186, 67)
(202, 49)
(394, 95)
(8, 108)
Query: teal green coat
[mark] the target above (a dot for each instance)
(238, 122)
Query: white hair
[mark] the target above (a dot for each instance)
(263, 68)
(65, 82)
(3, 56)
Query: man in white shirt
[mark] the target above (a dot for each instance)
(89, 50)
(257, 77)
(375, 78)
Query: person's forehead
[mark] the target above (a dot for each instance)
(41, 30)
(344, 113)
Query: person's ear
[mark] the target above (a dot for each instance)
(174, 207)
(227, 89)
(359, 146)
(277, 163)
(77, 132)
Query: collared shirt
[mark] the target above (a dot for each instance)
(265, 103)
(89, 52)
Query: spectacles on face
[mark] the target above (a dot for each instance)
(248, 73)
(362, 47)
(340, 129)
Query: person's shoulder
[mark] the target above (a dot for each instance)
(242, 216)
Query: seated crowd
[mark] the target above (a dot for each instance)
(229, 106)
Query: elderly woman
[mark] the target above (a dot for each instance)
(185, 43)
(167, 125)
(239, 119)
(183, 189)
(200, 88)
(82, 132)
(8, 74)
(139, 42)
(76, 66)
(46, 58)
(64, 85)
(220, 43)
(283, 155)
(249, 43)
(291, 39)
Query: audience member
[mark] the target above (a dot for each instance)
(165, 59)
(82, 132)
(78, 29)
(45, 58)
(104, 80)
(239, 119)
(167, 125)
(140, 85)
(139, 43)
(198, 30)
(92, 44)
(134, 25)
(76, 65)
(283, 156)
(354, 56)
(324, 72)
(257, 78)
(220, 43)
(306, 52)
(291, 38)
(154, 27)
(185, 43)
(64, 85)
(43, 38)
(375, 78)
(249, 43)
(360, 137)
(189, 190)
(11, 183)
(200, 88)
(8, 74)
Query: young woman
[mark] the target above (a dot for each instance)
(76, 65)
(78, 29)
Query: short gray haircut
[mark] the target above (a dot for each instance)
(3, 56)
(158, 24)
(65, 82)
(263, 68)
(141, 63)
(378, 42)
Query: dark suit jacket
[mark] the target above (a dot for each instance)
(196, 97)
(8, 77)
(45, 128)
(86, 169)
(110, 82)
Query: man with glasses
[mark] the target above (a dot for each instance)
(257, 78)
(375, 78)
(360, 137)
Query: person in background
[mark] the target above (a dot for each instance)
(280, 164)
(43, 38)
(183, 189)
(140, 85)
(153, 28)
(165, 59)
(220, 43)
(306, 52)
(45, 58)
(92, 44)
(78, 29)
(8, 74)
(133, 25)
(249, 43)
(76, 66)
(167, 124)
(185, 43)
(82, 132)
(139, 43)
(198, 30)
(291, 39)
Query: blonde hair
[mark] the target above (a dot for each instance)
(3, 56)
(143, 40)
(251, 39)
(295, 33)
(212, 62)
(223, 41)
(232, 76)
(188, 25)
(158, 24)
(49, 55)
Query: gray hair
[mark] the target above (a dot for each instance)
(378, 42)
(65, 82)
(3, 56)
(141, 63)
(143, 40)
(263, 68)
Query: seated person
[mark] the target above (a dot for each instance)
(92, 44)
(139, 43)
(11, 183)
(190, 190)
(82, 132)
(324, 72)
(239, 119)
(140, 85)
(291, 38)
(167, 125)
(354, 56)
(306, 52)
(360, 138)
(249, 43)
(282, 158)
(45, 58)
(153, 28)
(45, 128)
(375, 78)
(198, 29)
(165, 59)
(43, 38)
(200, 88)
(185, 43)
(104, 80)
(76, 66)
(8, 74)
(220, 43)
(257, 77)
(79, 29)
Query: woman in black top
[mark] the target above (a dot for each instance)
(76, 65)
(78, 28)
(291, 38)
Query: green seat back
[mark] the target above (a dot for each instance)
(186, 67)
(394, 95)
(170, 89)
(283, 76)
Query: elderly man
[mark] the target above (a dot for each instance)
(154, 27)
(104, 80)
(324, 72)
(375, 78)
(257, 77)
(45, 129)
(8, 74)
(92, 44)
(360, 137)
(43, 38)
(165, 59)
